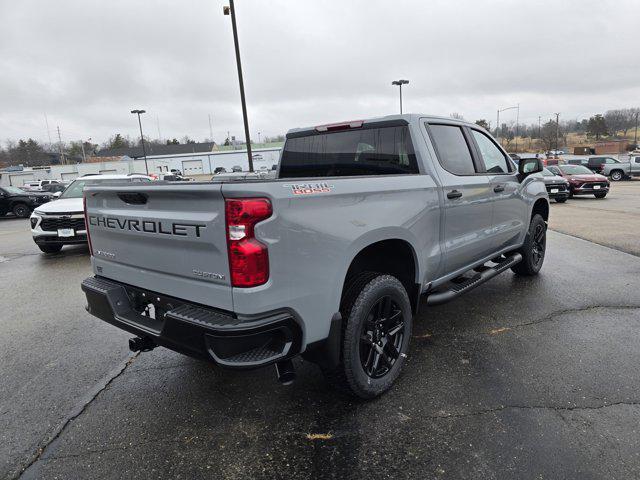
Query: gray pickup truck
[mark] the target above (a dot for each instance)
(329, 260)
(622, 169)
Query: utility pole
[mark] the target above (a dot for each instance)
(84, 157)
(46, 121)
(230, 10)
(210, 129)
(517, 121)
(158, 125)
(539, 127)
(498, 125)
(62, 159)
(557, 130)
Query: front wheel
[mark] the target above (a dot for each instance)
(21, 210)
(600, 195)
(534, 248)
(50, 248)
(376, 333)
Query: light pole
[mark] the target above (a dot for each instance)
(557, 130)
(230, 10)
(144, 151)
(400, 83)
(498, 118)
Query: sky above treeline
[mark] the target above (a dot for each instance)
(86, 64)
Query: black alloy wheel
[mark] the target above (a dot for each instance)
(539, 243)
(382, 336)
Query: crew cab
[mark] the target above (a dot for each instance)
(61, 222)
(329, 260)
(620, 169)
(19, 202)
(582, 181)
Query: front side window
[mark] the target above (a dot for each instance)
(366, 151)
(452, 149)
(494, 159)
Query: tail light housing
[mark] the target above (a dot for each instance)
(248, 257)
(86, 223)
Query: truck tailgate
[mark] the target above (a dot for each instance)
(169, 238)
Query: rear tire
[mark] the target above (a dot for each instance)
(50, 248)
(21, 210)
(534, 248)
(375, 335)
(600, 195)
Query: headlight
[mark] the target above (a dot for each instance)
(33, 199)
(34, 221)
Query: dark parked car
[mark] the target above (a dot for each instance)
(582, 181)
(557, 186)
(54, 187)
(21, 203)
(596, 164)
(577, 161)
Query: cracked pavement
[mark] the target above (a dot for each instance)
(521, 378)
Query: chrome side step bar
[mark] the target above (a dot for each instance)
(479, 278)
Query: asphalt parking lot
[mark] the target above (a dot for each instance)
(521, 378)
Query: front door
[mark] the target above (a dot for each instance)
(508, 207)
(467, 197)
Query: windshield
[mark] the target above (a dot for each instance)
(14, 191)
(575, 170)
(75, 189)
(548, 173)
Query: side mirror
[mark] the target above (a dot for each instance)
(528, 166)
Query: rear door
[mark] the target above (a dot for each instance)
(508, 206)
(467, 197)
(165, 238)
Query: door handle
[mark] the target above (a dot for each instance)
(454, 194)
(498, 188)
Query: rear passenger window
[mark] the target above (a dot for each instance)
(452, 149)
(366, 151)
(494, 160)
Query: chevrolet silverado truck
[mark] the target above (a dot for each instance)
(329, 260)
(622, 169)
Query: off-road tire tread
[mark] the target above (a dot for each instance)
(524, 268)
(343, 377)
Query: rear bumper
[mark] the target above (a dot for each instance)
(225, 338)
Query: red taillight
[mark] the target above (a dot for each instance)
(248, 257)
(86, 223)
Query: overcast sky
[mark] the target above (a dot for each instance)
(87, 63)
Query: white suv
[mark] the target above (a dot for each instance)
(61, 222)
(38, 184)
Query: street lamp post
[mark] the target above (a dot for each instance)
(498, 119)
(230, 10)
(400, 83)
(144, 151)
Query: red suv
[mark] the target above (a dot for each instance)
(582, 181)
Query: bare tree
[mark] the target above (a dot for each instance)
(456, 116)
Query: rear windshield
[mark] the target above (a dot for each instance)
(369, 151)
